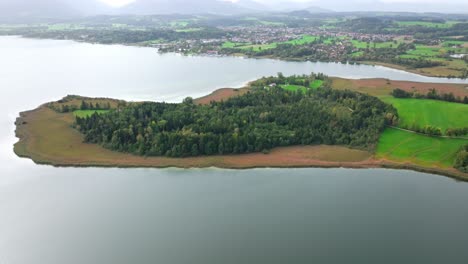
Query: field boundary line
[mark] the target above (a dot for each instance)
(414, 132)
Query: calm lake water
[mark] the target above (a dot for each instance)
(92, 215)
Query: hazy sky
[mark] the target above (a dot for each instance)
(413, 5)
(117, 2)
(123, 2)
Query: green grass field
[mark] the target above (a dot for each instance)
(426, 51)
(422, 150)
(378, 45)
(86, 113)
(291, 87)
(422, 112)
(304, 40)
(179, 23)
(258, 47)
(447, 24)
(314, 85)
(230, 44)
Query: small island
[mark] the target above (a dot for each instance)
(296, 121)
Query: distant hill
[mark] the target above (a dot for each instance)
(252, 5)
(147, 7)
(315, 10)
(11, 9)
(33, 10)
(309, 13)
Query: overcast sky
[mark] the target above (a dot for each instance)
(459, 6)
(123, 2)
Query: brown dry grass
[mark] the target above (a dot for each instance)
(383, 87)
(221, 94)
(450, 69)
(47, 137)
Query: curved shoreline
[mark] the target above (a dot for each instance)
(66, 149)
(368, 63)
(384, 165)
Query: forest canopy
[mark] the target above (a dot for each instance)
(265, 117)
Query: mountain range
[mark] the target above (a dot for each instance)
(74, 8)
(146, 7)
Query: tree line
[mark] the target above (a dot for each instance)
(85, 105)
(432, 94)
(461, 161)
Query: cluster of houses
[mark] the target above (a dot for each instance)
(265, 34)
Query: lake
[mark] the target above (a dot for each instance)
(96, 215)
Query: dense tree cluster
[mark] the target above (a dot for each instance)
(367, 25)
(400, 93)
(262, 119)
(461, 161)
(124, 36)
(428, 130)
(67, 108)
(432, 94)
(303, 80)
(457, 132)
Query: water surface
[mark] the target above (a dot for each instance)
(93, 215)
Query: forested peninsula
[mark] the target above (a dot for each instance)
(295, 121)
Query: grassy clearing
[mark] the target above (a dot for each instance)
(425, 51)
(87, 113)
(304, 40)
(316, 84)
(357, 53)
(402, 146)
(378, 45)
(291, 87)
(230, 44)
(259, 47)
(422, 112)
(179, 23)
(447, 24)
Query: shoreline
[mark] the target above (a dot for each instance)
(187, 163)
(68, 149)
(455, 175)
(369, 63)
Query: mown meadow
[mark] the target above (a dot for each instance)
(425, 112)
(424, 150)
(403, 146)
